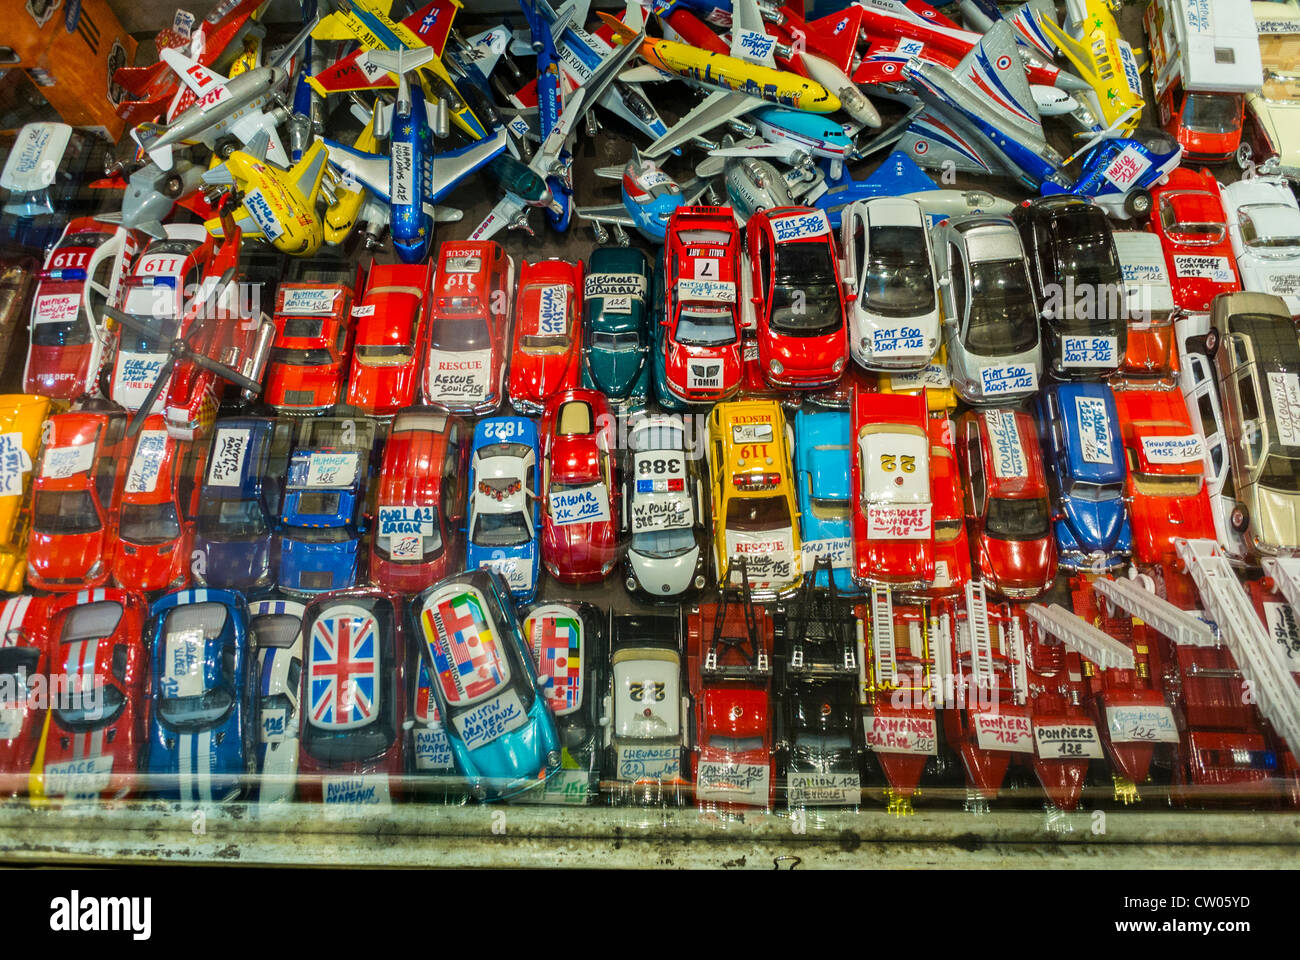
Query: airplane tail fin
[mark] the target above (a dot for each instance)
(258, 146)
(622, 32)
(634, 16)
(400, 62)
(1029, 23)
(432, 23)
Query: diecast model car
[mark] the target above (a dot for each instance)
(95, 737)
(503, 735)
(822, 760)
(1274, 122)
(952, 562)
(547, 354)
(159, 289)
(420, 508)
(796, 293)
(1150, 347)
(1075, 273)
(353, 698)
(158, 505)
(391, 338)
(75, 501)
(1188, 218)
(201, 710)
(892, 511)
(933, 381)
(469, 328)
(581, 500)
(616, 327)
(1007, 513)
(890, 284)
(275, 627)
(1166, 491)
(1119, 174)
(990, 326)
(313, 339)
(824, 487)
(70, 340)
(697, 353)
(1264, 226)
(428, 749)
(1256, 353)
(752, 502)
(24, 655)
(322, 520)
(21, 418)
(504, 509)
(665, 514)
(1079, 429)
(1196, 379)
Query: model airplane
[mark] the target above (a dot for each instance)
(1095, 48)
(150, 194)
(649, 198)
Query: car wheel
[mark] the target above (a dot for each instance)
(225, 147)
(1244, 155)
(1211, 343)
(1138, 204)
(1239, 519)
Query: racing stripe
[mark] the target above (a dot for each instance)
(185, 761)
(203, 764)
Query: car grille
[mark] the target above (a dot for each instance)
(317, 580)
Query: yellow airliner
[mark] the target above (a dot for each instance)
(1106, 63)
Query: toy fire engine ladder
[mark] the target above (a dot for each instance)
(1259, 659)
(1285, 574)
(754, 659)
(1082, 637)
(1135, 600)
(823, 620)
(882, 636)
(978, 635)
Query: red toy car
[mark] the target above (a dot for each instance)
(796, 292)
(547, 356)
(75, 501)
(1166, 489)
(24, 622)
(69, 337)
(420, 514)
(92, 742)
(580, 493)
(313, 342)
(1187, 215)
(893, 532)
(158, 502)
(392, 329)
(698, 346)
(469, 328)
(1007, 510)
(952, 567)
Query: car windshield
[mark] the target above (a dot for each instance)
(1280, 473)
(196, 624)
(1157, 485)
(460, 333)
(616, 342)
(1283, 243)
(736, 744)
(502, 529)
(825, 508)
(1194, 232)
(275, 630)
(705, 327)
(1017, 519)
(318, 503)
(302, 328)
(898, 281)
(1001, 315)
(749, 514)
(1096, 492)
(231, 519)
(300, 358)
(1212, 112)
(1085, 251)
(64, 513)
(383, 355)
(805, 295)
(16, 663)
(662, 544)
(149, 523)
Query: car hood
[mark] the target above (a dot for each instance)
(1276, 517)
(1279, 277)
(65, 556)
(459, 376)
(1020, 564)
(59, 372)
(615, 371)
(664, 577)
(1095, 524)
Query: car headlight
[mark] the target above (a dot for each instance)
(96, 569)
(630, 584)
(866, 344)
(838, 365)
(699, 581)
(775, 366)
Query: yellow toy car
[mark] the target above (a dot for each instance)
(21, 417)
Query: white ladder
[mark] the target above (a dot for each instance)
(882, 635)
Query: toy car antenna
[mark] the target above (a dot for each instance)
(754, 658)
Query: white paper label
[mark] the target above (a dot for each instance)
(147, 462)
(336, 470)
(454, 261)
(614, 285)
(720, 291)
(1141, 724)
(618, 304)
(459, 376)
(673, 513)
(1281, 623)
(1067, 741)
(727, 782)
(838, 550)
(11, 722)
(1009, 458)
(1003, 731)
(649, 762)
(229, 450)
(60, 463)
(934, 375)
(309, 301)
(260, 210)
(365, 310)
(750, 351)
(1284, 388)
(1282, 284)
(78, 778)
(57, 307)
(490, 720)
(552, 310)
(769, 557)
(402, 179)
(433, 749)
(14, 462)
(1184, 449)
(1089, 351)
(823, 789)
(1131, 75)
(914, 735)
(903, 339)
(366, 790)
(1218, 269)
(704, 374)
(1094, 429)
(896, 522)
(588, 505)
(1010, 378)
(518, 573)
(1126, 168)
(406, 546)
(800, 227)
(753, 45)
(182, 674)
(396, 521)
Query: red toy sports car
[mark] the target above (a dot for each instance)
(580, 493)
(547, 356)
(795, 289)
(313, 342)
(392, 331)
(1187, 215)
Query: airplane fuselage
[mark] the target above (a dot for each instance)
(731, 73)
(410, 181)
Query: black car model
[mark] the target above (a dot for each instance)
(822, 744)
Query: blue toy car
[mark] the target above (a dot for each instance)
(234, 536)
(822, 459)
(1084, 458)
(201, 716)
(322, 520)
(616, 335)
(1117, 174)
(503, 735)
(504, 513)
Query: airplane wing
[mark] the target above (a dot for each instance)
(249, 126)
(501, 217)
(340, 24)
(717, 108)
(432, 23)
(453, 166)
(370, 169)
(644, 73)
(993, 74)
(940, 142)
(1078, 54)
(749, 38)
(613, 213)
(311, 169)
(249, 227)
(484, 50)
(1029, 23)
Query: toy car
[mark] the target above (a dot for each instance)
(1007, 511)
(1204, 411)
(75, 501)
(665, 515)
(892, 511)
(1264, 227)
(752, 496)
(698, 341)
(823, 485)
(469, 328)
(353, 697)
(581, 500)
(1150, 348)
(47, 176)
(616, 327)
(1119, 175)
(990, 325)
(795, 290)
(503, 736)
(890, 284)
(1075, 273)
(95, 737)
(158, 504)
(1256, 354)
(159, 289)
(24, 655)
(313, 339)
(275, 627)
(391, 338)
(822, 759)
(932, 381)
(1189, 220)
(420, 508)
(546, 358)
(201, 710)
(238, 507)
(1271, 119)
(504, 510)
(428, 750)
(322, 521)
(21, 418)
(69, 338)
(1079, 429)
(952, 562)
